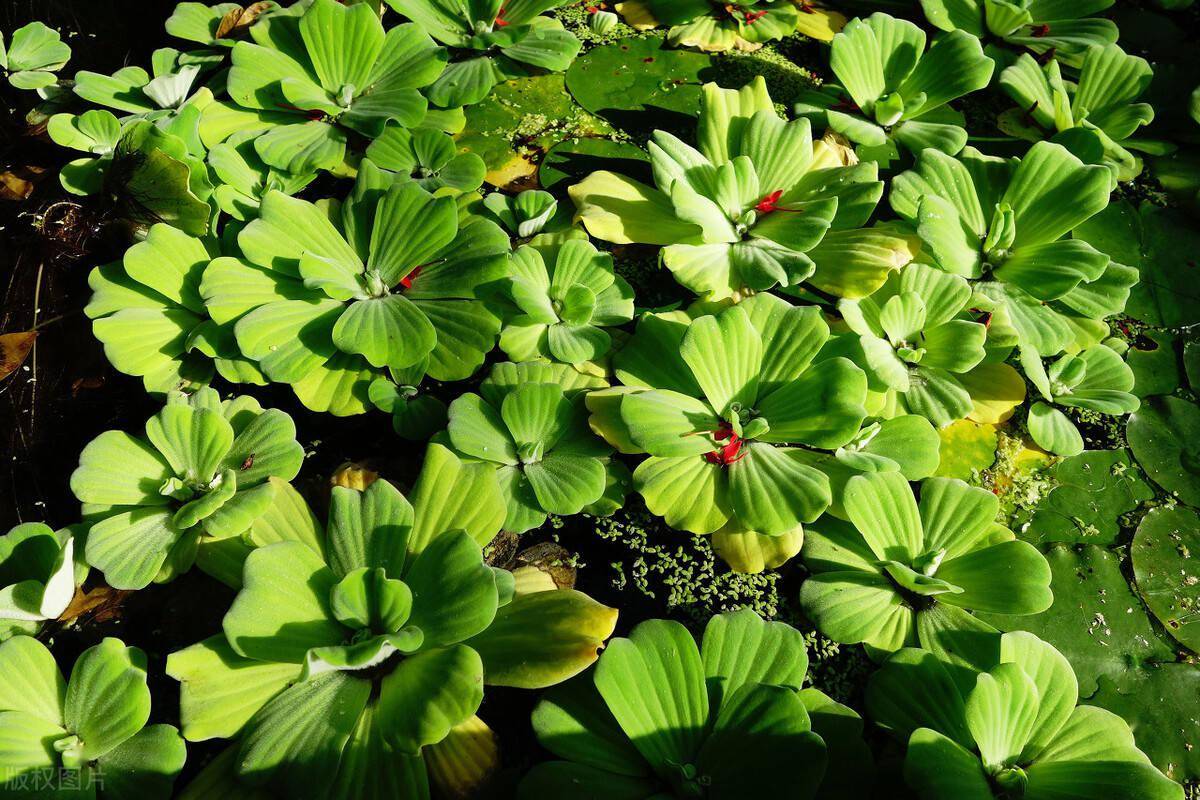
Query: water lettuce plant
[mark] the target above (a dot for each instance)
(308, 82)
(148, 313)
(219, 25)
(161, 94)
(1096, 112)
(1004, 225)
(658, 717)
(1013, 729)
(85, 737)
(201, 472)
(740, 213)
(351, 651)
(33, 54)
(567, 295)
(725, 406)
(38, 576)
(1096, 379)
(901, 572)
(891, 92)
(394, 280)
(1055, 28)
(914, 338)
(492, 41)
(715, 26)
(524, 214)
(429, 157)
(536, 435)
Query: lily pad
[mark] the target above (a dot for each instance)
(1096, 621)
(639, 74)
(571, 161)
(967, 447)
(1093, 489)
(1169, 581)
(1163, 710)
(1154, 360)
(1162, 244)
(522, 119)
(1165, 437)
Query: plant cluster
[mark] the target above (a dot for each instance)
(865, 291)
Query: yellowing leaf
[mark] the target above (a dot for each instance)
(14, 349)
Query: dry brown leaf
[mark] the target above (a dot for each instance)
(14, 349)
(239, 19)
(17, 184)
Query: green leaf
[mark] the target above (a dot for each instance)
(428, 694)
(741, 649)
(294, 743)
(565, 484)
(1052, 430)
(454, 591)
(1162, 435)
(940, 768)
(913, 690)
(618, 209)
(146, 764)
(668, 424)
(34, 685)
(653, 683)
(220, 690)
(107, 699)
(388, 331)
(451, 495)
(822, 408)
(118, 469)
(132, 547)
(725, 354)
(282, 610)
(854, 607)
(1161, 553)
(1052, 192)
(882, 508)
(1006, 578)
(543, 638)
(761, 743)
(687, 492)
(773, 489)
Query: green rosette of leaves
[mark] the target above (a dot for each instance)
(83, 738)
(914, 340)
(1012, 729)
(201, 473)
(395, 280)
(1003, 224)
(1093, 117)
(492, 41)
(38, 576)
(524, 214)
(310, 81)
(34, 53)
(532, 426)
(148, 314)
(243, 178)
(352, 652)
(1096, 379)
(429, 157)
(732, 411)
(566, 295)
(742, 212)
(1062, 28)
(716, 26)
(891, 92)
(905, 574)
(164, 92)
(658, 717)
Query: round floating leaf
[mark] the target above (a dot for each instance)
(1160, 707)
(635, 75)
(1165, 437)
(1155, 364)
(1163, 548)
(1095, 621)
(519, 121)
(1094, 489)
